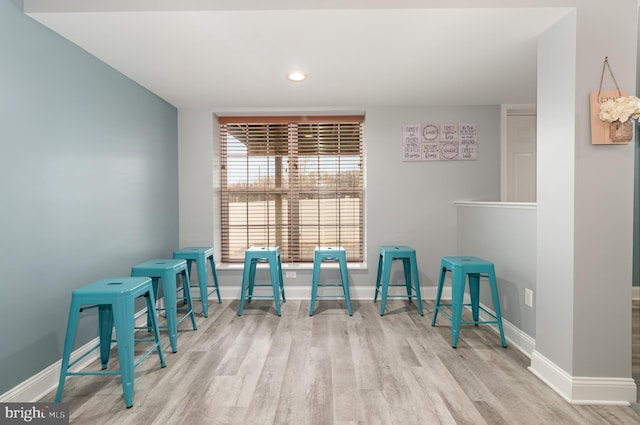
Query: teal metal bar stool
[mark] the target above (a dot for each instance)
(115, 300)
(330, 253)
(262, 254)
(201, 255)
(474, 268)
(167, 271)
(388, 254)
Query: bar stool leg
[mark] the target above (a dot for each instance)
(170, 301)
(151, 306)
(154, 283)
(314, 281)
(457, 299)
(105, 322)
(416, 282)
(443, 272)
(186, 288)
(246, 275)
(68, 346)
(252, 278)
(123, 319)
(281, 279)
(214, 273)
(375, 298)
(406, 266)
(496, 305)
(184, 294)
(386, 278)
(201, 268)
(474, 293)
(275, 283)
(344, 275)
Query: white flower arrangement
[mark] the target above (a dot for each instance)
(620, 109)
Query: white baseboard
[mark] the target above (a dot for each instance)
(355, 292)
(635, 294)
(583, 390)
(514, 336)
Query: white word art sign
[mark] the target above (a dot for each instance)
(439, 142)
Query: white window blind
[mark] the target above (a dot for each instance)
(294, 182)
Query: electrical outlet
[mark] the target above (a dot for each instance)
(528, 297)
(291, 275)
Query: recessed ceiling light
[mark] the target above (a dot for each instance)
(296, 76)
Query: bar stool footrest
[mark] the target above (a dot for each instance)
(198, 297)
(111, 372)
(479, 322)
(89, 351)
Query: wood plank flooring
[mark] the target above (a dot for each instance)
(333, 369)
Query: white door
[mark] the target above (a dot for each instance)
(521, 157)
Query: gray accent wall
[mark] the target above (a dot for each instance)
(585, 203)
(555, 180)
(603, 275)
(88, 186)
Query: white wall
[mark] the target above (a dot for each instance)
(196, 168)
(603, 199)
(585, 208)
(556, 135)
(409, 203)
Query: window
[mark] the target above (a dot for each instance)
(294, 182)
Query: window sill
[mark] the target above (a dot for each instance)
(292, 266)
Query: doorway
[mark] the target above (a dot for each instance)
(518, 153)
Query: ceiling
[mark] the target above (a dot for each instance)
(228, 56)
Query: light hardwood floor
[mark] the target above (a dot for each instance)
(334, 369)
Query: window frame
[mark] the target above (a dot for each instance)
(294, 250)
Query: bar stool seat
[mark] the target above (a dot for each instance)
(201, 255)
(166, 271)
(388, 254)
(474, 268)
(330, 253)
(115, 300)
(262, 254)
